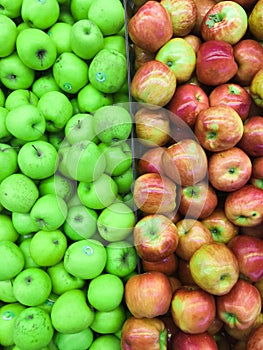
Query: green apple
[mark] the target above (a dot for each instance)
(112, 124)
(21, 26)
(60, 33)
(20, 97)
(79, 128)
(115, 42)
(59, 185)
(33, 329)
(10, 9)
(74, 341)
(81, 222)
(8, 160)
(37, 159)
(56, 138)
(49, 212)
(48, 248)
(36, 49)
(2, 98)
(14, 74)
(65, 14)
(121, 97)
(124, 181)
(108, 322)
(56, 108)
(25, 247)
(63, 281)
(8, 35)
(43, 84)
(80, 8)
(121, 258)
(6, 291)
(106, 342)
(26, 122)
(71, 313)
(7, 229)
(32, 286)
(108, 70)
(116, 222)
(90, 99)
(75, 105)
(85, 259)
(105, 292)
(63, 152)
(84, 161)
(108, 15)
(8, 315)
(48, 303)
(74, 201)
(40, 14)
(18, 193)
(70, 72)
(98, 194)
(23, 223)
(86, 39)
(11, 259)
(5, 135)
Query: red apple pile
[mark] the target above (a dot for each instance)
(197, 89)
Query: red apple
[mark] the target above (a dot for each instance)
(184, 273)
(216, 326)
(249, 253)
(241, 306)
(153, 83)
(244, 207)
(148, 294)
(202, 7)
(229, 170)
(193, 310)
(194, 40)
(155, 237)
(214, 268)
(192, 235)
(151, 161)
(232, 95)
(254, 231)
(175, 282)
(215, 63)
(255, 340)
(218, 128)
(154, 193)
(252, 138)
(185, 162)
(167, 265)
(143, 333)
(186, 103)
(257, 172)
(141, 56)
(150, 27)
(171, 330)
(184, 341)
(248, 54)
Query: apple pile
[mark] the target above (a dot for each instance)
(197, 102)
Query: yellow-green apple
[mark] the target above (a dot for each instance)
(151, 26)
(186, 103)
(143, 333)
(214, 268)
(185, 162)
(204, 341)
(222, 229)
(198, 200)
(179, 56)
(256, 88)
(230, 307)
(141, 56)
(254, 20)
(148, 294)
(255, 340)
(151, 161)
(152, 127)
(252, 138)
(229, 170)
(167, 265)
(193, 310)
(218, 128)
(257, 172)
(183, 14)
(192, 235)
(153, 83)
(243, 207)
(154, 193)
(249, 253)
(248, 54)
(232, 95)
(215, 62)
(155, 237)
(194, 40)
(226, 20)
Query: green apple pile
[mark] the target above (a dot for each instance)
(66, 172)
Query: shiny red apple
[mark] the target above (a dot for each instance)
(252, 138)
(185, 341)
(151, 161)
(255, 341)
(167, 265)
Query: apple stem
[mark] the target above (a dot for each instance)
(38, 152)
(213, 19)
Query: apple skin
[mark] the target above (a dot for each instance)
(148, 294)
(218, 128)
(155, 237)
(252, 138)
(153, 83)
(254, 20)
(255, 88)
(193, 310)
(184, 341)
(243, 207)
(215, 63)
(229, 170)
(255, 340)
(186, 103)
(150, 27)
(257, 172)
(194, 40)
(230, 307)
(151, 161)
(249, 253)
(167, 265)
(141, 56)
(202, 7)
(184, 273)
(143, 333)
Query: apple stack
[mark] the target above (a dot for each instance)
(197, 104)
(66, 170)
